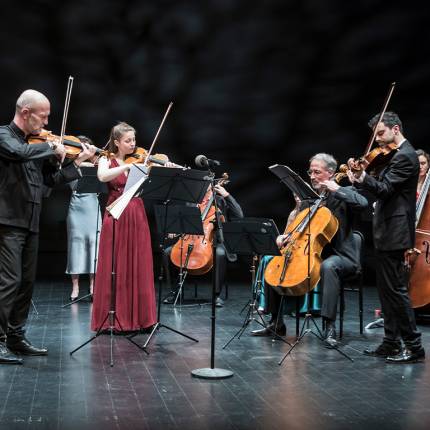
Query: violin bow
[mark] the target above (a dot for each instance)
(117, 207)
(387, 100)
(156, 135)
(66, 108)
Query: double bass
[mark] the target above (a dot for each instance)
(198, 256)
(419, 280)
(309, 232)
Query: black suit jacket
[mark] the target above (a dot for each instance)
(395, 189)
(24, 170)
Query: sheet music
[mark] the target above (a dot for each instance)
(135, 174)
(294, 182)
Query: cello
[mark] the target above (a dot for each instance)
(419, 280)
(310, 231)
(198, 258)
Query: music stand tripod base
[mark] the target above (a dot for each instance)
(208, 373)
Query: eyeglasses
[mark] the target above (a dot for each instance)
(315, 172)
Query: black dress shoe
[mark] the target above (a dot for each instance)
(407, 356)
(383, 350)
(281, 330)
(6, 357)
(24, 347)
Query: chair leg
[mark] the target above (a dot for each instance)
(297, 315)
(360, 304)
(341, 311)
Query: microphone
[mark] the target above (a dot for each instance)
(203, 161)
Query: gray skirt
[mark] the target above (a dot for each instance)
(81, 232)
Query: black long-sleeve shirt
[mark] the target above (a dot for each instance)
(24, 169)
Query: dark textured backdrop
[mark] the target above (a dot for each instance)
(253, 83)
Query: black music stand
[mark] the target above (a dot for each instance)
(304, 191)
(111, 315)
(252, 237)
(179, 219)
(89, 183)
(174, 185)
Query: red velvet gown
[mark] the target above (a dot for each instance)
(135, 294)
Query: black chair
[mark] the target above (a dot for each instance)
(353, 283)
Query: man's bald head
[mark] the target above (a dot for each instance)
(32, 111)
(30, 99)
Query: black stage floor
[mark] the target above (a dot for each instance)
(315, 388)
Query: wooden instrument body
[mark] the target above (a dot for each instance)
(199, 248)
(419, 281)
(288, 273)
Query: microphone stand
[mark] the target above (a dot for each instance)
(213, 372)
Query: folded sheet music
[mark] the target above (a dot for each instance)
(136, 177)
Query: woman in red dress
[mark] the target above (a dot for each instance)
(135, 295)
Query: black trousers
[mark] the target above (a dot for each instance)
(333, 269)
(221, 267)
(18, 261)
(392, 284)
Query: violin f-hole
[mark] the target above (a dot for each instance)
(427, 251)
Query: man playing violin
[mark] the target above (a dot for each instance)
(340, 258)
(24, 170)
(393, 234)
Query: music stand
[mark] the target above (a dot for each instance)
(304, 191)
(111, 315)
(181, 220)
(173, 185)
(89, 183)
(252, 237)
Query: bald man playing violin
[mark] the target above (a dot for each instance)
(393, 233)
(24, 170)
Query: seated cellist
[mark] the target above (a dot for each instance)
(230, 209)
(340, 257)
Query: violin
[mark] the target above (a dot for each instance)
(373, 161)
(72, 144)
(140, 154)
(198, 257)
